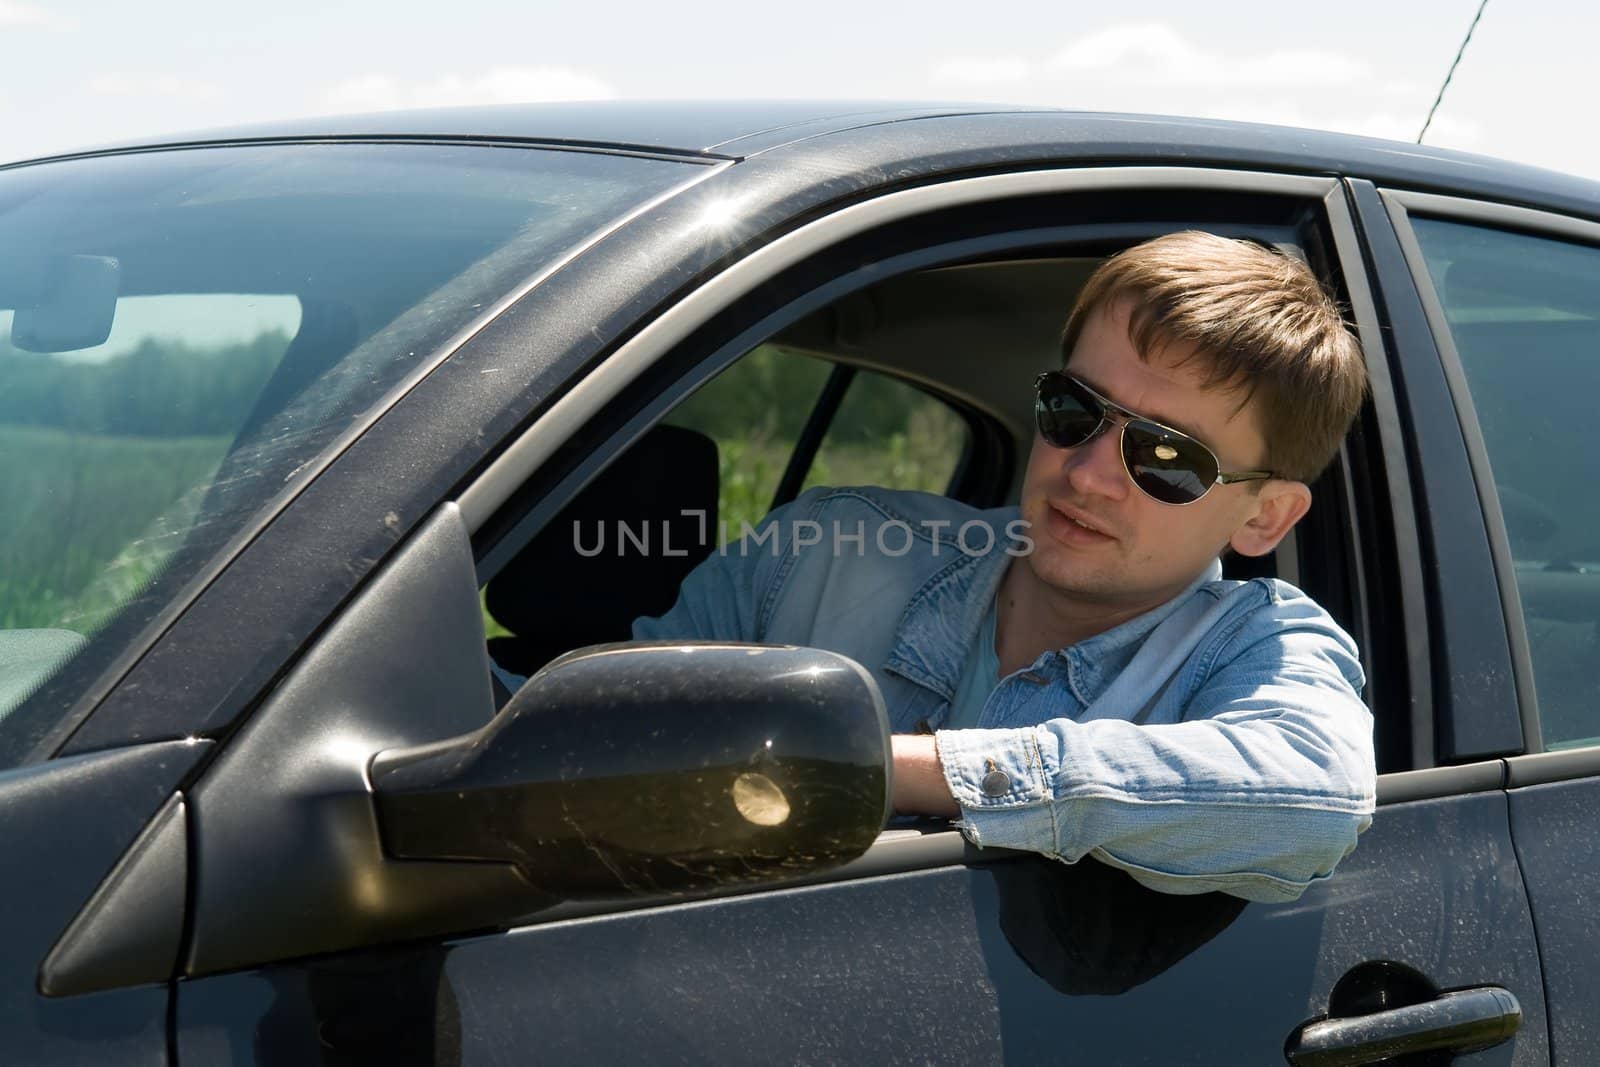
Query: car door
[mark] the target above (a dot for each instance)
(1510, 295)
(924, 948)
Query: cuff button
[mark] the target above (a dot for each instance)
(996, 783)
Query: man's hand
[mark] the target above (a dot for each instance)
(919, 785)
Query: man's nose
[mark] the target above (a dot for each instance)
(1095, 467)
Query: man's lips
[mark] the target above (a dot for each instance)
(1078, 527)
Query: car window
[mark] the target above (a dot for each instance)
(182, 334)
(883, 432)
(889, 433)
(631, 536)
(1524, 313)
(754, 411)
(107, 452)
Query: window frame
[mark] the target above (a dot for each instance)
(1400, 206)
(568, 429)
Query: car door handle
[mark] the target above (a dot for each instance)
(1463, 1021)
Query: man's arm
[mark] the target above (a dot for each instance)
(716, 602)
(919, 783)
(1259, 792)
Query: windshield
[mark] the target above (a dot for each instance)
(183, 333)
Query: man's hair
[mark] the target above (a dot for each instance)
(1260, 320)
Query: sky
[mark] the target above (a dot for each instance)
(78, 74)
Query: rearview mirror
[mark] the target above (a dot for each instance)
(654, 769)
(65, 303)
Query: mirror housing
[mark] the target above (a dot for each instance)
(71, 305)
(656, 769)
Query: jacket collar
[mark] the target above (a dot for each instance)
(1095, 662)
(942, 619)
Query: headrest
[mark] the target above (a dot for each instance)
(584, 578)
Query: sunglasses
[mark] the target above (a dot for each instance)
(1165, 464)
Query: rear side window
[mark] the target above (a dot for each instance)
(754, 411)
(1524, 313)
(882, 431)
(891, 434)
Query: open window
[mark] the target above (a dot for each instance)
(903, 359)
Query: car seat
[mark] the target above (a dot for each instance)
(580, 581)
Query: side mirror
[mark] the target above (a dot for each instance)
(654, 769)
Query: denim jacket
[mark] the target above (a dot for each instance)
(1217, 742)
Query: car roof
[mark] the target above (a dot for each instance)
(739, 129)
(676, 127)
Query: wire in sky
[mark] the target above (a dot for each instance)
(1452, 72)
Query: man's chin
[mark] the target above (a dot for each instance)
(1066, 573)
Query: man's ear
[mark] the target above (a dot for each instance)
(1280, 504)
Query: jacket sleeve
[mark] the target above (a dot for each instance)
(1258, 791)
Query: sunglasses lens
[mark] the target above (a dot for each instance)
(1170, 467)
(1067, 415)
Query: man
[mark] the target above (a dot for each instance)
(1073, 677)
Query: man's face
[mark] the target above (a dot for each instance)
(1098, 539)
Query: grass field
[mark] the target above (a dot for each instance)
(81, 519)
(922, 456)
(89, 518)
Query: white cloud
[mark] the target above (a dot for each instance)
(1404, 87)
(1393, 125)
(1153, 53)
(1145, 44)
(161, 85)
(1157, 68)
(983, 71)
(504, 85)
(26, 16)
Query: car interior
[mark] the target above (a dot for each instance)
(969, 338)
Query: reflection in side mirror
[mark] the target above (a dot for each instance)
(654, 769)
(65, 304)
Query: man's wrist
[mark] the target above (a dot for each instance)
(919, 783)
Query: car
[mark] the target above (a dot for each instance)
(317, 438)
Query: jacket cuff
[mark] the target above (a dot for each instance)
(997, 778)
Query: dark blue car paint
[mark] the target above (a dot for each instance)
(1472, 673)
(1022, 960)
(1558, 846)
(63, 825)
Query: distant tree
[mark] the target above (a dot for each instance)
(162, 388)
